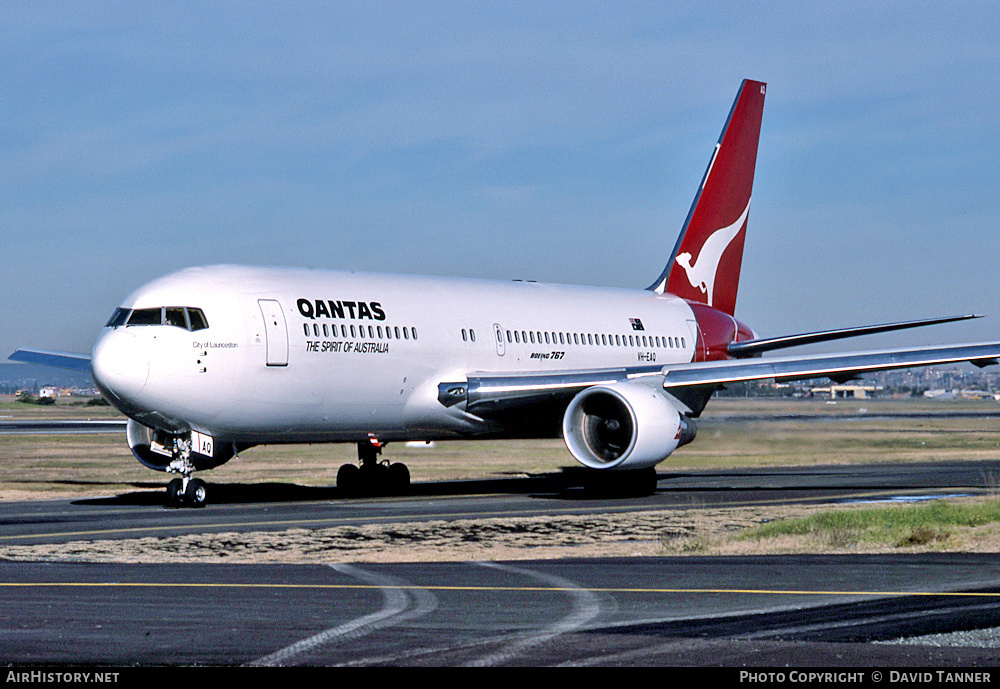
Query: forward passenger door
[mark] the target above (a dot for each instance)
(275, 332)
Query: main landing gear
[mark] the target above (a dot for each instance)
(371, 476)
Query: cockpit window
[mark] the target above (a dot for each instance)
(145, 317)
(118, 318)
(173, 315)
(185, 317)
(198, 321)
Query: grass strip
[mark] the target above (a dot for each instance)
(898, 525)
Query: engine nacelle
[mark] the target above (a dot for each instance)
(154, 448)
(624, 426)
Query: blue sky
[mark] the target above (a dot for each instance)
(559, 142)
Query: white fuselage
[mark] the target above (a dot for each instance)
(295, 355)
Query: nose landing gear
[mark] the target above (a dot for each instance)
(184, 490)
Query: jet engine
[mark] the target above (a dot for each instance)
(624, 426)
(157, 449)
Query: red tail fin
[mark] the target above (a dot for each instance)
(705, 264)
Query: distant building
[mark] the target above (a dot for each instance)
(941, 394)
(846, 391)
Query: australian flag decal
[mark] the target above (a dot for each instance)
(636, 324)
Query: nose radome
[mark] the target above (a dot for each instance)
(120, 364)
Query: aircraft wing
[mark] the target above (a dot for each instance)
(74, 362)
(488, 393)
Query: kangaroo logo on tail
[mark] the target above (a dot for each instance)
(710, 246)
(702, 273)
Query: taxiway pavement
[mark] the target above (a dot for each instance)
(702, 611)
(817, 610)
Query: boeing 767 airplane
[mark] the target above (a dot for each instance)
(210, 361)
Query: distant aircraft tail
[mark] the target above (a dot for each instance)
(705, 264)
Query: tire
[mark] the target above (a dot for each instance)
(399, 478)
(349, 479)
(174, 496)
(196, 493)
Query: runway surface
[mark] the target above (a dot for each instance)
(757, 611)
(60, 427)
(766, 611)
(270, 507)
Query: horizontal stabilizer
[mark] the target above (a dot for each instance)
(71, 361)
(843, 366)
(749, 348)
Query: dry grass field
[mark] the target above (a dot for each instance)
(733, 433)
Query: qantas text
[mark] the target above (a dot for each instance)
(318, 308)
